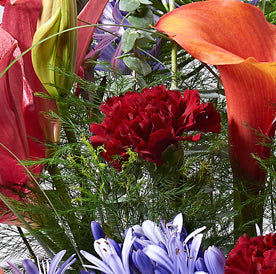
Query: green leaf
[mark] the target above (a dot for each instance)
(138, 65)
(141, 18)
(145, 38)
(128, 39)
(129, 5)
(146, 2)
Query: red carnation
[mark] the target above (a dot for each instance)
(151, 121)
(255, 255)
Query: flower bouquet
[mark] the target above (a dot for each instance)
(123, 114)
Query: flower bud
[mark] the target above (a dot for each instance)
(58, 52)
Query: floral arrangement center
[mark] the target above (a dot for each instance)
(150, 121)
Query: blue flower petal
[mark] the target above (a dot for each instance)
(161, 270)
(55, 261)
(30, 267)
(163, 246)
(200, 265)
(116, 264)
(15, 270)
(97, 230)
(142, 262)
(152, 231)
(178, 222)
(158, 255)
(116, 247)
(99, 265)
(126, 250)
(194, 251)
(66, 264)
(214, 260)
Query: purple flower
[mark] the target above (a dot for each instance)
(109, 45)
(152, 248)
(252, 2)
(112, 261)
(165, 246)
(30, 267)
(107, 35)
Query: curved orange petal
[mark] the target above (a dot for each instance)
(237, 38)
(250, 89)
(220, 32)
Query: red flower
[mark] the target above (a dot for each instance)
(151, 121)
(22, 115)
(254, 255)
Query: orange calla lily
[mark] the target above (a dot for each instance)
(236, 38)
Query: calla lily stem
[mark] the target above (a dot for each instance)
(173, 54)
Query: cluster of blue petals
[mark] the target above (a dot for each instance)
(165, 248)
(53, 268)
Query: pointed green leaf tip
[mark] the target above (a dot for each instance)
(60, 50)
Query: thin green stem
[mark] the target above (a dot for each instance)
(26, 224)
(23, 237)
(263, 6)
(171, 5)
(75, 28)
(272, 207)
(248, 203)
(173, 54)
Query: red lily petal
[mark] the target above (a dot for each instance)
(91, 14)
(236, 37)
(33, 129)
(11, 100)
(23, 30)
(26, 13)
(13, 132)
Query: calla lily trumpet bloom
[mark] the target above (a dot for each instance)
(235, 37)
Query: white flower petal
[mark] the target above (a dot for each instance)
(194, 233)
(152, 231)
(178, 222)
(97, 262)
